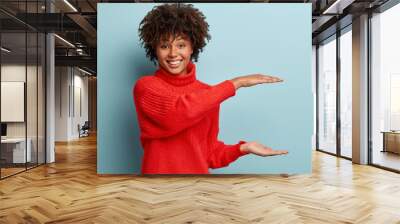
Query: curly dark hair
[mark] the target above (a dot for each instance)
(175, 19)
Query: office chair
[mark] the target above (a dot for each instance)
(84, 130)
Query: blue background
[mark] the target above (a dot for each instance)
(248, 38)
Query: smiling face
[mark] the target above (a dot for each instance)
(174, 55)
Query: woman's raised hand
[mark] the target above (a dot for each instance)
(254, 79)
(261, 150)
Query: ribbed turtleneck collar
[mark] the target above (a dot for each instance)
(178, 80)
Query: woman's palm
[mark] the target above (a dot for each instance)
(261, 150)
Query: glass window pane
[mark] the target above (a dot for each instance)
(327, 96)
(14, 153)
(385, 88)
(41, 98)
(31, 100)
(22, 89)
(346, 93)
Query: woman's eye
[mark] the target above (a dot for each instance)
(164, 46)
(181, 45)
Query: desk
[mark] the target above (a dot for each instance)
(391, 141)
(13, 150)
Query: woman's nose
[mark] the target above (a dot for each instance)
(172, 52)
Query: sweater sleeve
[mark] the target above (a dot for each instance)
(220, 154)
(163, 113)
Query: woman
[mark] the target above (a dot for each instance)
(178, 115)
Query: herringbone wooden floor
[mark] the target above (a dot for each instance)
(70, 191)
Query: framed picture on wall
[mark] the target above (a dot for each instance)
(12, 101)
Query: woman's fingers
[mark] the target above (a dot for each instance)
(271, 152)
(260, 78)
(280, 152)
(254, 79)
(272, 79)
(262, 150)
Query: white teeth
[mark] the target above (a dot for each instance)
(174, 62)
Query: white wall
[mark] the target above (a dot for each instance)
(70, 83)
(62, 81)
(79, 117)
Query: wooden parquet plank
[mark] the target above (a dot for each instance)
(70, 191)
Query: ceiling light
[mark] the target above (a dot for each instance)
(64, 40)
(338, 6)
(5, 50)
(70, 5)
(84, 71)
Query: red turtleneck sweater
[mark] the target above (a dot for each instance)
(178, 120)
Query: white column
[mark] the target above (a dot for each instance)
(50, 92)
(50, 100)
(360, 90)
